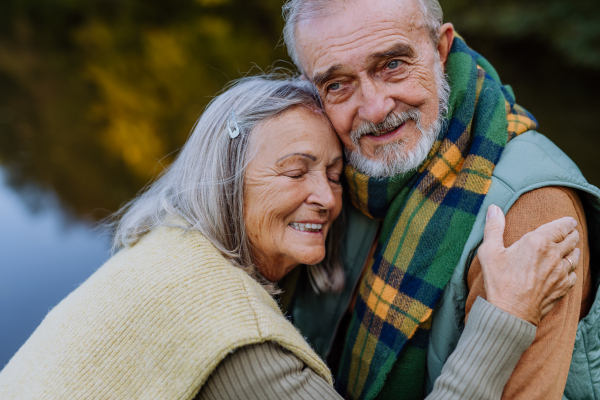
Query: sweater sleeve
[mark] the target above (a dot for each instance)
(483, 361)
(542, 371)
(485, 356)
(265, 371)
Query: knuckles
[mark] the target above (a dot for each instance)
(485, 252)
(562, 231)
(576, 237)
(538, 243)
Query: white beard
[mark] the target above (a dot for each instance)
(393, 158)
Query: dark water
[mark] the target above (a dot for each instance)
(42, 259)
(96, 96)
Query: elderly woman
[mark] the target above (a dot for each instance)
(184, 309)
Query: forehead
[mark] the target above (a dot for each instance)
(299, 126)
(350, 31)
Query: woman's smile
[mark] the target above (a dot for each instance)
(292, 190)
(307, 227)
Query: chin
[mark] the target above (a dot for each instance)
(312, 259)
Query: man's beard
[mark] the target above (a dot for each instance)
(394, 158)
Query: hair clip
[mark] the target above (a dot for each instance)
(234, 129)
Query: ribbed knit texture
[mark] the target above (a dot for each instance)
(484, 363)
(265, 372)
(152, 323)
(485, 357)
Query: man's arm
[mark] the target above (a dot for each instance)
(543, 369)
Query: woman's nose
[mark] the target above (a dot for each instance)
(322, 194)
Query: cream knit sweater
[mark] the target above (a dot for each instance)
(152, 323)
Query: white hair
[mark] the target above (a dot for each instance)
(204, 187)
(296, 11)
(393, 158)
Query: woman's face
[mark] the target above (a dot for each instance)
(292, 190)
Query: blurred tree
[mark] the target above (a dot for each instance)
(570, 27)
(102, 90)
(97, 95)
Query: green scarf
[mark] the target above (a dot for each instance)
(427, 218)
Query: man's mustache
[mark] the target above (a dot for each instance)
(392, 120)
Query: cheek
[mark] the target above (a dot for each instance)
(268, 204)
(338, 192)
(415, 91)
(342, 118)
(257, 204)
(335, 212)
(421, 87)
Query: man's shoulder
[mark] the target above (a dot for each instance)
(532, 160)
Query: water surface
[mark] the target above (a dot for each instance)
(43, 257)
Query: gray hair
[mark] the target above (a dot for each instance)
(296, 11)
(203, 189)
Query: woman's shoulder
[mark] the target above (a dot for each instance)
(174, 271)
(167, 309)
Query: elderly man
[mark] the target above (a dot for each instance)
(432, 138)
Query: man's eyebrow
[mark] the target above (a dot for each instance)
(336, 159)
(397, 50)
(318, 79)
(312, 158)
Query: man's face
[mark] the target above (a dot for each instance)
(375, 66)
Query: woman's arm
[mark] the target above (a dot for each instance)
(486, 355)
(526, 280)
(484, 359)
(265, 371)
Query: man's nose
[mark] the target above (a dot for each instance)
(375, 102)
(322, 194)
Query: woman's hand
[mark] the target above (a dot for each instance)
(528, 278)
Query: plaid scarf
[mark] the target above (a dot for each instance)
(427, 218)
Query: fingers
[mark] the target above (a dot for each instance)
(559, 229)
(547, 308)
(572, 279)
(493, 234)
(571, 261)
(559, 290)
(567, 246)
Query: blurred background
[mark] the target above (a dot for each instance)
(96, 96)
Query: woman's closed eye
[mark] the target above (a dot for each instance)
(334, 177)
(294, 174)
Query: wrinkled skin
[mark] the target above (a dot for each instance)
(293, 177)
(529, 277)
(370, 58)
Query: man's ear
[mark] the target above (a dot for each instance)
(445, 43)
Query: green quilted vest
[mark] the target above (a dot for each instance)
(528, 162)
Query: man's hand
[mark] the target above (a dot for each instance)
(528, 278)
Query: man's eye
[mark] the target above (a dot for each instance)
(394, 64)
(334, 86)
